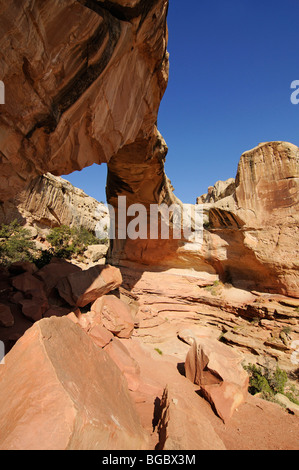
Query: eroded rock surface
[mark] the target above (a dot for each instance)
(50, 201)
(253, 235)
(83, 80)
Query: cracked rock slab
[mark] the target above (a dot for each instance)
(56, 402)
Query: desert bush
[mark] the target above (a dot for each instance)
(67, 242)
(159, 351)
(15, 244)
(215, 289)
(266, 381)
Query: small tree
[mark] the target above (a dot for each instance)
(15, 244)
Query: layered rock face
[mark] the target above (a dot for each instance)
(50, 201)
(251, 222)
(253, 235)
(83, 80)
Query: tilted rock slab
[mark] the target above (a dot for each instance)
(183, 427)
(58, 391)
(216, 368)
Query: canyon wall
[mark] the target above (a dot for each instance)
(253, 235)
(50, 201)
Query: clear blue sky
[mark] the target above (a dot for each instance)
(231, 68)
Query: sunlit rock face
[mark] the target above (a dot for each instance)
(83, 79)
(253, 236)
(50, 201)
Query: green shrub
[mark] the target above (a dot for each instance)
(215, 289)
(67, 241)
(292, 398)
(266, 381)
(258, 383)
(15, 244)
(286, 330)
(277, 380)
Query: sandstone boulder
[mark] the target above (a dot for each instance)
(34, 302)
(216, 368)
(99, 335)
(54, 271)
(35, 306)
(26, 282)
(80, 289)
(6, 317)
(64, 393)
(21, 267)
(56, 312)
(115, 315)
(96, 252)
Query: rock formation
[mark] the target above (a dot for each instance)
(251, 223)
(84, 84)
(89, 92)
(50, 201)
(217, 369)
(83, 81)
(134, 341)
(220, 190)
(253, 234)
